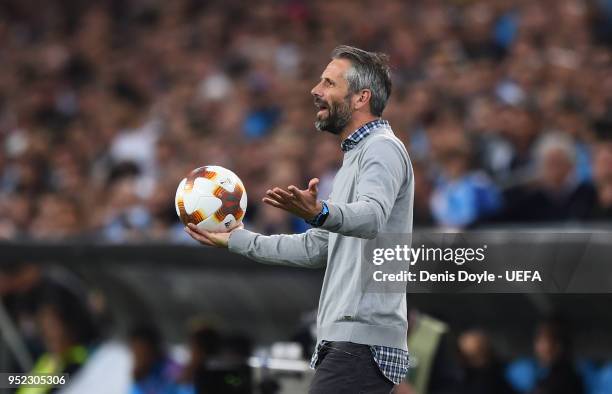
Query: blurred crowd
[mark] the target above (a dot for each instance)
(54, 322)
(505, 106)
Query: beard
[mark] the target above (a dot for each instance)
(338, 115)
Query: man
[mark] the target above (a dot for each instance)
(601, 207)
(553, 350)
(361, 336)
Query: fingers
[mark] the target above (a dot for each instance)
(195, 229)
(192, 228)
(283, 193)
(295, 192)
(272, 202)
(291, 200)
(198, 236)
(313, 186)
(218, 240)
(282, 198)
(237, 225)
(298, 195)
(274, 195)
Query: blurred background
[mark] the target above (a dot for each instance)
(505, 107)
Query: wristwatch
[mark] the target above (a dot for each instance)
(321, 216)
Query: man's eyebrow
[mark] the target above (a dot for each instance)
(327, 79)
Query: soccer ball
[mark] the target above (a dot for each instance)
(211, 197)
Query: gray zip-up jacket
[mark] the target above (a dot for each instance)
(372, 194)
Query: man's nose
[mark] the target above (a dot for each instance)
(315, 91)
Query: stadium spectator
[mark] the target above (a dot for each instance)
(169, 87)
(556, 193)
(552, 348)
(483, 372)
(461, 195)
(601, 209)
(57, 217)
(422, 195)
(154, 372)
(204, 345)
(27, 289)
(68, 333)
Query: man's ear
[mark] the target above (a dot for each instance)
(362, 98)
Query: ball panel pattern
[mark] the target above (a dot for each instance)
(197, 215)
(211, 197)
(230, 203)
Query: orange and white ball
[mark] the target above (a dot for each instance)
(211, 197)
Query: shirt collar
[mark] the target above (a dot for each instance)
(362, 132)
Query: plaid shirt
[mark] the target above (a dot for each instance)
(393, 363)
(352, 140)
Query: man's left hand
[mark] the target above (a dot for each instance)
(302, 203)
(218, 240)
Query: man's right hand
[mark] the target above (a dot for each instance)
(218, 240)
(302, 203)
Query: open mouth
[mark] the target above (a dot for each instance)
(322, 107)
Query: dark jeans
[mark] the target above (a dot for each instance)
(346, 367)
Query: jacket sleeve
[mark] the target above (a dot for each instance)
(382, 171)
(308, 250)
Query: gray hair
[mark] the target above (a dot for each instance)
(369, 71)
(556, 141)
